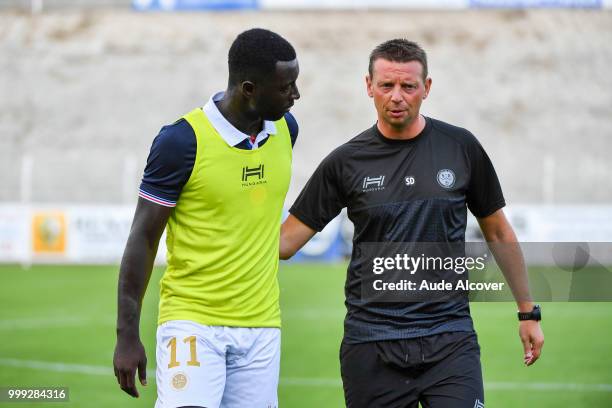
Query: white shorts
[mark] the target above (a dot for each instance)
(216, 366)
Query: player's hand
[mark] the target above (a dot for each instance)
(532, 338)
(129, 357)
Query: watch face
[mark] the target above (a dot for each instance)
(536, 313)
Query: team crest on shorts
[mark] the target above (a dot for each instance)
(446, 178)
(179, 381)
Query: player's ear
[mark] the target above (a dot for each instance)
(247, 88)
(427, 87)
(369, 85)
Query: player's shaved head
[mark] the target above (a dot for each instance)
(254, 54)
(399, 50)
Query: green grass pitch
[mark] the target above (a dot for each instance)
(57, 329)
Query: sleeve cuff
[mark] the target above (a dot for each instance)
(307, 221)
(498, 205)
(156, 199)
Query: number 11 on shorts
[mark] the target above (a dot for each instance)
(192, 349)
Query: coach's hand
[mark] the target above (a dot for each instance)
(129, 356)
(532, 337)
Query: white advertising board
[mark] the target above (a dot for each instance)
(91, 234)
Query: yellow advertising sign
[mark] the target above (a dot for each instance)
(49, 233)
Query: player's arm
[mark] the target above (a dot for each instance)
(507, 252)
(319, 202)
(147, 227)
(293, 236)
(168, 168)
(294, 233)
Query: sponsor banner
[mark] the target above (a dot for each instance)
(428, 5)
(97, 234)
(66, 234)
(536, 4)
(178, 5)
(182, 5)
(363, 4)
(14, 234)
(49, 233)
(549, 223)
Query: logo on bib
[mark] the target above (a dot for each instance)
(252, 176)
(252, 172)
(446, 178)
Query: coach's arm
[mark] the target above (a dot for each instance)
(294, 235)
(136, 265)
(507, 252)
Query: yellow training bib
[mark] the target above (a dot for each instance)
(223, 234)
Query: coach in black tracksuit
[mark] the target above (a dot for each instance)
(409, 179)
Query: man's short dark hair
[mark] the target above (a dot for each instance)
(255, 52)
(399, 50)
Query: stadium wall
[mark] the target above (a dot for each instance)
(85, 92)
